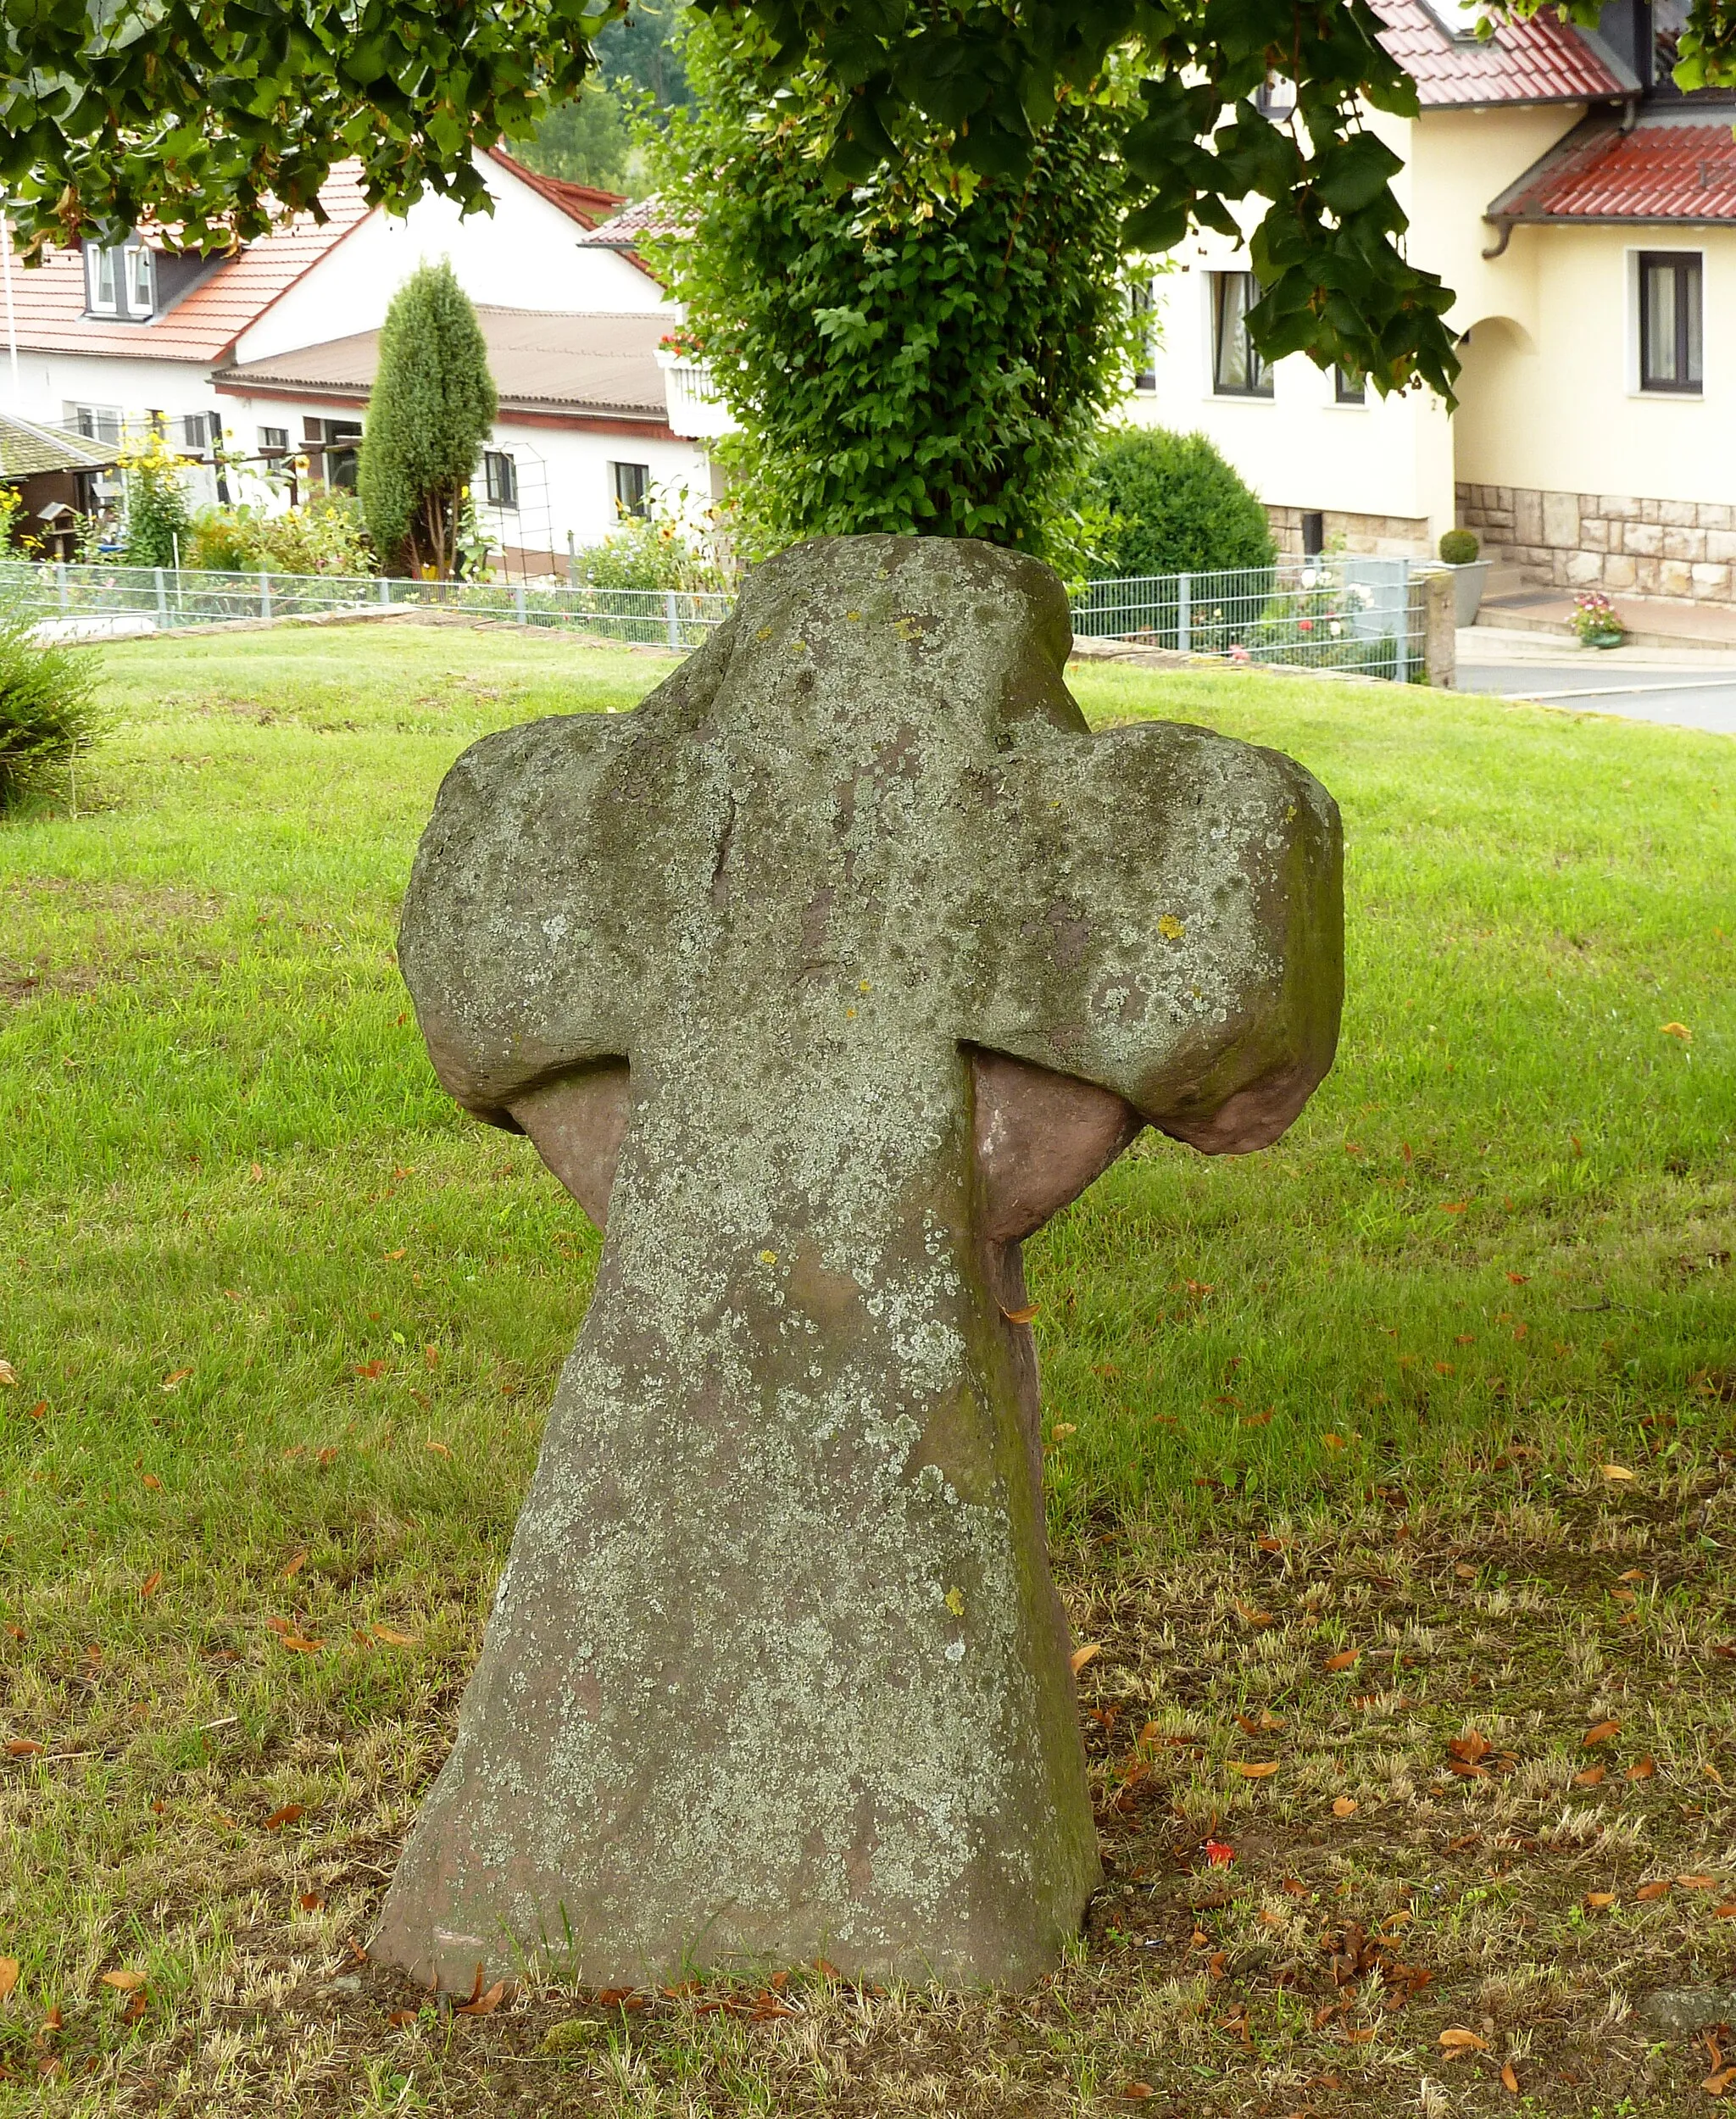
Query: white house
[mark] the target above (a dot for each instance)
(273, 350)
(1584, 212)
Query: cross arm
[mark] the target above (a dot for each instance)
(511, 942)
(1181, 940)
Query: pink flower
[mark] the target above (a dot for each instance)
(1304, 624)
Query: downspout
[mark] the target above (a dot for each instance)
(1505, 223)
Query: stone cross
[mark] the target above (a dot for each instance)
(824, 977)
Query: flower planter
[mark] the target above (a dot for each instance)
(1603, 640)
(1468, 590)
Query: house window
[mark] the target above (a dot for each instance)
(500, 479)
(632, 488)
(96, 422)
(1236, 369)
(274, 440)
(336, 451)
(1670, 321)
(1142, 306)
(198, 429)
(1348, 389)
(141, 281)
(102, 279)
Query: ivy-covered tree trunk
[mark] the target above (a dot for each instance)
(924, 352)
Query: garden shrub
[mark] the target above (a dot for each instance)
(1458, 547)
(157, 521)
(1181, 508)
(655, 551)
(325, 535)
(47, 712)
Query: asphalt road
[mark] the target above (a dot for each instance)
(1687, 698)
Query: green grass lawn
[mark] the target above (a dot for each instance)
(1396, 1461)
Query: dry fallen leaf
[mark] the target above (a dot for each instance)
(431, 1357)
(1510, 2081)
(1599, 1900)
(1590, 1777)
(1343, 1659)
(22, 1748)
(1333, 1441)
(394, 1638)
(1471, 1747)
(126, 1982)
(1081, 1656)
(1460, 2040)
(1616, 1473)
(311, 1902)
(483, 2003)
(392, 1257)
(399, 2018)
(439, 1448)
(1642, 1770)
(1696, 1883)
(1724, 1912)
(8, 1976)
(152, 1481)
(1675, 1030)
(1252, 1768)
(1633, 1574)
(1655, 1890)
(1718, 2085)
(286, 1815)
(1344, 1806)
(174, 1379)
(299, 1644)
(1600, 1732)
(1250, 1617)
(9, 1379)
(1020, 1316)
(295, 1567)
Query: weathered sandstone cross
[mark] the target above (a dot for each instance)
(825, 977)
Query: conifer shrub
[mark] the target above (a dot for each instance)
(1179, 507)
(47, 712)
(431, 411)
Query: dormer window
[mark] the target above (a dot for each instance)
(103, 279)
(120, 280)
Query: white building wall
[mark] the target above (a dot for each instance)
(565, 479)
(525, 256)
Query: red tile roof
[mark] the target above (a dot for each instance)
(1538, 60)
(1672, 166)
(582, 202)
(204, 325)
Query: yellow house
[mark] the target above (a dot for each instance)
(1584, 212)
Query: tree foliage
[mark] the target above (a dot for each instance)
(429, 413)
(1177, 505)
(214, 115)
(911, 358)
(586, 140)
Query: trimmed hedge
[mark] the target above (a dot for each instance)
(1181, 508)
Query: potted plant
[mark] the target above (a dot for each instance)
(1596, 620)
(1458, 550)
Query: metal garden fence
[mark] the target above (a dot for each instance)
(1336, 613)
(96, 601)
(1339, 613)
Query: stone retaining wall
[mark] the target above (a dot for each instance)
(1609, 541)
(1377, 536)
